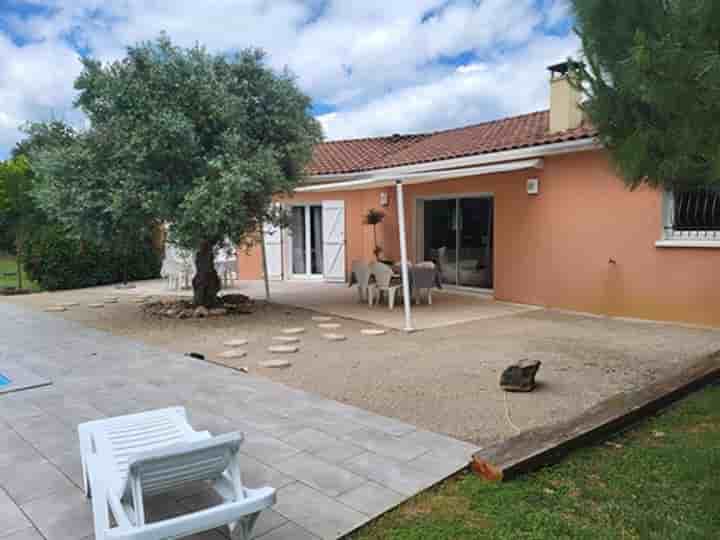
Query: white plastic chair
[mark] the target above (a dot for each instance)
(361, 270)
(178, 267)
(226, 264)
(128, 458)
(383, 279)
(227, 270)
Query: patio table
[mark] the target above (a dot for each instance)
(397, 275)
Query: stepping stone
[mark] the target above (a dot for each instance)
(53, 309)
(373, 332)
(140, 300)
(96, 305)
(298, 330)
(110, 300)
(283, 349)
(275, 364)
(286, 339)
(70, 304)
(329, 325)
(319, 318)
(334, 337)
(236, 343)
(233, 354)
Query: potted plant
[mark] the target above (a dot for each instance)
(375, 217)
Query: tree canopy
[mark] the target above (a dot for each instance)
(651, 74)
(198, 140)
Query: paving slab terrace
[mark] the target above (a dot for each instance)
(335, 466)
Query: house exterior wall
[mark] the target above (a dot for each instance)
(358, 236)
(555, 249)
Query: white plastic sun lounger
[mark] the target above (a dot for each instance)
(128, 458)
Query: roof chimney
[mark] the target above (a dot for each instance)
(565, 112)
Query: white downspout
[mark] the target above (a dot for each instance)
(407, 301)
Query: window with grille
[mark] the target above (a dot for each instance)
(693, 214)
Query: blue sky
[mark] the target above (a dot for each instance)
(373, 67)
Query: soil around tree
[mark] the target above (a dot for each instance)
(13, 291)
(175, 308)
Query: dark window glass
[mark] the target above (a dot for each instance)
(696, 210)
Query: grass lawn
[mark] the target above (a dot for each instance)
(8, 265)
(660, 481)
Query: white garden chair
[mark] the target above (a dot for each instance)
(383, 284)
(226, 264)
(129, 458)
(178, 267)
(361, 271)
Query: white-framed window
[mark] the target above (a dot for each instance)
(691, 218)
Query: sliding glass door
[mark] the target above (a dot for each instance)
(306, 241)
(458, 237)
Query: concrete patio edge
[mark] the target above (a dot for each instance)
(539, 447)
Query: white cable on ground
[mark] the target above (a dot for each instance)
(507, 414)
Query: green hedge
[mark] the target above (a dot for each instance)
(57, 261)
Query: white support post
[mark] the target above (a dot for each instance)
(407, 301)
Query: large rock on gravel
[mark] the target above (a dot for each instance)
(520, 377)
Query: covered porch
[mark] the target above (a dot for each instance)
(444, 216)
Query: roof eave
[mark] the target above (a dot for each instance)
(566, 147)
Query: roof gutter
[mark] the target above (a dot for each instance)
(384, 180)
(553, 149)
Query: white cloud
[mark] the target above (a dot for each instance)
(36, 83)
(512, 84)
(383, 64)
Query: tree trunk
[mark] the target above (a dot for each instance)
(206, 283)
(18, 260)
(266, 277)
(126, 250)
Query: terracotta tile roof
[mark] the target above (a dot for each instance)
(356, 155)
(353, 155)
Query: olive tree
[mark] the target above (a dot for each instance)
(197, 140)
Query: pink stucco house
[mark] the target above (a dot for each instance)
(528, 209)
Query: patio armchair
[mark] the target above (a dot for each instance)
(361, 277)
(423, 277)
(383, 284)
